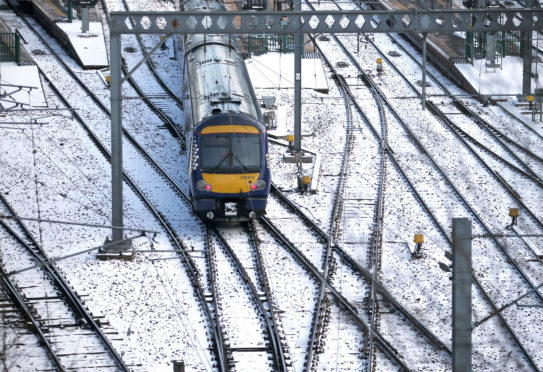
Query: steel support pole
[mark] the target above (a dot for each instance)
(116, 140)
(70, 11)
(424, 39)
(84, 19)
(526, 40)
(298, 44)
(461, 301)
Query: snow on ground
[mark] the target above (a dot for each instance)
(150, 301)
(30, 96)
(276, 70)
(506, 79)
(89, 46)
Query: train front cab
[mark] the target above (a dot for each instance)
(230, 179)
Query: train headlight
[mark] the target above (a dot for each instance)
(203, 186)
(259, 185)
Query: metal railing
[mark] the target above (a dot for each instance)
(259, 44)
(10, 47)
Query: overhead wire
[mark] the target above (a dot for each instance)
(195, 341)
(93, 205)
(137, 302)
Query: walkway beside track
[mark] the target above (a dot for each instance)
(24, 74)
(89, 49)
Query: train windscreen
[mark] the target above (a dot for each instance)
(230, 153)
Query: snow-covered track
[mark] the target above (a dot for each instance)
(152, 68)
(223, 354)
(496, 135)
(62, 316)
(178, 195)
(383, 344)
(156, 105)
(388, 301)
(246, 257)
(321, 312)
(19, 301)
(375, 239)
(461, 135)
(412, 137)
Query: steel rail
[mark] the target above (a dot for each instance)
(19, 301)
(318, 319)
(473, 140)
(493, 132)
(376, 241)
(379, 214)
(384, 148)
(222, 353)
(271, 327)
(457, 192)
(173, 128)
(448, 122)
(461, 135)
(423, 150)
(496, 134)
(89, 92)
(169, 122)
(419, 198)
(71, 297)
(382, 343)
(151, 66)
(266, 286)
(420, 146)
(170, 231)
(181, 248)
(428, 334)
(366, 273)
(75, 304)
(513, 194)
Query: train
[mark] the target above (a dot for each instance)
(227, 143)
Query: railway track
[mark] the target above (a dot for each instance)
(464, 138)
(321, 312)
(72, 336)
(157, 208)
(371, 278)
(212, 312)
(224, 356)
(154, 96)
(210, 304)
(241, 249)
(19, 327)
(355, 279)
(472, 212)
